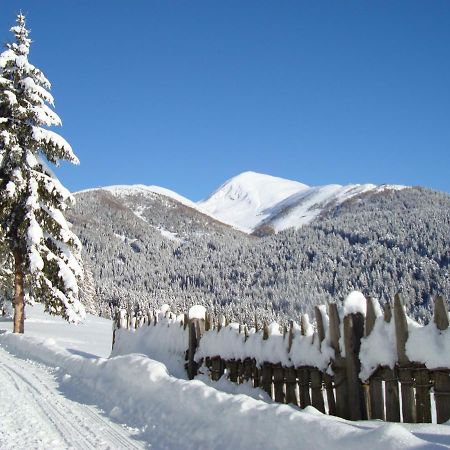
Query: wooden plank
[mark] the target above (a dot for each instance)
(319, 323)
(423, 400)
(406, 378)
(265, 331)
(317, 390)
(327, 380)
(192, 365)
(335, 333)
(371, 316)
(440, 313)
(391, 394)
(291, 384)
(266, 378)
(304, 324)
(441, 377)
(207, 322)
(338, 365)
(405, 370)
(278, 383)
(387, 312)
(329, 388)
(216, 367)
(442, 395)
(240, 371)
(232, 367)
(303, 386)
(376, 396)
(256, 374)
(401, 330)
(353, 332)
(291, 335)
(248, 369)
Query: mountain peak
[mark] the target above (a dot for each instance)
(251, 200)
(247, 198)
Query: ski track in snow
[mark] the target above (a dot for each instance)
(35, 415)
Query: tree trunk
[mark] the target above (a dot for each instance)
(19, 304)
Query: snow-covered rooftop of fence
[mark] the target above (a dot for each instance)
(426, 344)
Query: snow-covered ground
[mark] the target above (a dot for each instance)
(59, 391)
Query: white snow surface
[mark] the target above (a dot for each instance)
(57, 394)
(247, 199)
(428, 345)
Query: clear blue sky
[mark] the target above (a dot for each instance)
(185, 94)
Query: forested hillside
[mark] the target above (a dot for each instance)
(148, 249)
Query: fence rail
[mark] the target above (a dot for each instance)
(333, 367)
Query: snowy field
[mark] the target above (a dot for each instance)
(59, 391)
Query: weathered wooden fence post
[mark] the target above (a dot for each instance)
(291, 376)
(376, 394)
(116, 325)
(327, 380)
(353, 332)
(338, 365)
(441, 377)
(266, 381)
(303, 373)
(196, 329)
(404, 364)
(278, 383)
(390, 382)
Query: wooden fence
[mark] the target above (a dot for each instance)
(400, 393)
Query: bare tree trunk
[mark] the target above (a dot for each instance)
(19, 303)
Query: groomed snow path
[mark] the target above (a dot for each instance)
(35, 415)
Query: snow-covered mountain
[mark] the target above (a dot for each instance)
(257, 203)
(253, 202)
(146, 245)
(247, 199)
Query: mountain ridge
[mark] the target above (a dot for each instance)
(257, 203)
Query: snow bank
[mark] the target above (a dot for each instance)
(425, 345)
(228, 343)
(378, 349)
(166, 341)
(428, 345)
(174, 413)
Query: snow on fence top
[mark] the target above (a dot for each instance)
(302, 344)
(350, 345)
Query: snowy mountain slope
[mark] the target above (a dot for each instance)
(253, 201)
(71, 400)
(143, 190)
(247, 199)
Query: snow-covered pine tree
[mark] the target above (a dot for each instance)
(87, 292)
(45, 253)
(6, 279)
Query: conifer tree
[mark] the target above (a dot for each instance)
(37, 239)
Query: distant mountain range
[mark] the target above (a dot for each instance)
(257, 203)
(263, 244)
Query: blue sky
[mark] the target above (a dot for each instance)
(186, 94)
